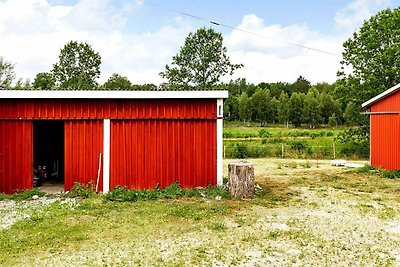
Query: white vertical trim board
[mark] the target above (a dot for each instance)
(220, 113)
(106, 156)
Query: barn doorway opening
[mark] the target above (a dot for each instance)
(48, 155)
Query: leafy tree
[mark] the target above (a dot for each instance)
(277, 88)
(78, 67)
(260, 105)
(301, 85)
(324, 88)
(21, 85)
(7, 74)
(231, 108)
(283, 109)
(311, 110)
(244, 107)
(296, 108)
(117, 81)
(237, 87)
(351, 114)
(373, 56)
(327, 106)
(332, 121)
(44, 81)
(201, 61)
(273, 114)
(250, 89)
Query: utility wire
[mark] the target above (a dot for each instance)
(238, 29)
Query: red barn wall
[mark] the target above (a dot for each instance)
(385, 132)
(385, 141)
(83, 145)
(16, 155)
(146, 153)
(389, 104)
(153, 141)
(67, 109)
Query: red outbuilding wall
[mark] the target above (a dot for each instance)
(146, 153)
(83, 145)
(152, 141)
(385, 132)
(16, 155)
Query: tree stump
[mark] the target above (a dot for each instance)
(241, 182)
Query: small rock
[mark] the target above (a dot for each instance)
(202, 195)
(218, 197)
(277, 254)
(258, 187)
(34, 197)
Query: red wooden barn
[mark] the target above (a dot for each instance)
(384, 110)
(138, 139)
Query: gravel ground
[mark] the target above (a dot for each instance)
(319, 227)
(326, 227)
(12, 211)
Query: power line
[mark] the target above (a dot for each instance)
(214, 22)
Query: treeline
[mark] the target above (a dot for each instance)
(299, 103)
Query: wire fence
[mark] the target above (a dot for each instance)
(283, 150)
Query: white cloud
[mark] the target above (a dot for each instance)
(353, 15)
(271, 59)
(33, 32)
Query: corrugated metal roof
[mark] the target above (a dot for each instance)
(96, 94)
(381, 96)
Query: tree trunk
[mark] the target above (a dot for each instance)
(241, 182)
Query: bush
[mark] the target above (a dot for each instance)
(264, 134)
(353, 148)
(241, 151)
(227, 135)
(329, 134)
(390, 174)
(300, 146)
(2, 197)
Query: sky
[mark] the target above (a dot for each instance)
(137, 38)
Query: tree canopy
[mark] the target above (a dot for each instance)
(7, 74)
(117, 81)
(201, 62)
(78, 67)
(43, 81)
(372, 54)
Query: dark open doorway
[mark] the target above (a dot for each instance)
(48, 152)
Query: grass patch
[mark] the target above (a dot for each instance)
(60, 228)
(27, 194)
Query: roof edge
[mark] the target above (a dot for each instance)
(102, 94)
(381, 95)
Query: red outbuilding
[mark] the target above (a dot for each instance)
(384, 110)
(137, 139)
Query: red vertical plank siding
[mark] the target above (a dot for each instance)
(389, 104)
(16, 155)
(153, 141)
(83, 144)
(385, 141)
(64, 109)
(165, 151)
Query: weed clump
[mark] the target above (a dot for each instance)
(123, 194)
(26, 194)
(82, 190)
